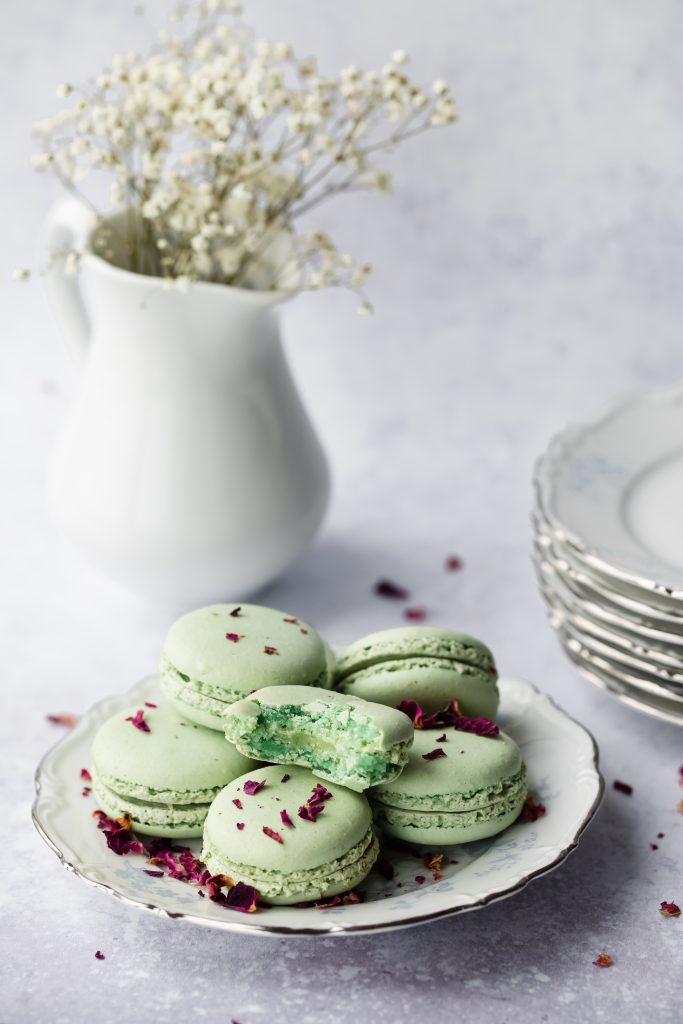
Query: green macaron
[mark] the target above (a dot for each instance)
(340, 738)
(161, 769)
(423, 663)
(279, 830)
(214, 656)
(474, 789)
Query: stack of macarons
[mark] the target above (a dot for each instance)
(399, 727)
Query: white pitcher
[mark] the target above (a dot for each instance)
(187, 469)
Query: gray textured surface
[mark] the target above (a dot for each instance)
(528, 273)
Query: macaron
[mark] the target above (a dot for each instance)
(423, 663)
(473, 789)
(161, 769)
(340, 738)
(214, 656)
(279, 830)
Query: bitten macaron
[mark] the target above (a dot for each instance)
(161, 769)
(456, 788)
(427, 664)
(216, 655)
(340, 738)
(291, 838)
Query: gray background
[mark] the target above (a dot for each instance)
(528, 273)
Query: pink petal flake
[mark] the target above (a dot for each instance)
(603, 960)
(669, 909)
(138, 721)
(450, 716)
(239, 896)
(653, 846)
(420, 879)
(453, 563)
(285, 778)
(441, 739)
(286, 820)
(270, 650)
(239, 825)
(232, 637)
(235, 613)
(434, 754)
(531, 811)
(86, 791)
(85, 775)
(387, 588)
(415, 614)
(238, 804)
(622, 787)
(293, 622)
(99, 955)
(65, 719)
(148, 704)
(272, 834)
(413, 710)
(153, 874)
(251, 786)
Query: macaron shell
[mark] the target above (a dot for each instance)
(444, 829)
(272, 648)
(414, 641)
(432, 682)
(473, 767)
(172, 763)
(306, 845)
(192, 705)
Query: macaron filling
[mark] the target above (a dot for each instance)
(336, 876)
(149, 813)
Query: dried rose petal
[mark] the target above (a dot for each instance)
(251, 786)
(453, 563)
(233, 637)
(85, 774)
(387, 588)
(239, 825)
(385, 868)
(153, 874)
(603, 960)
(669, 909)
(660, 835)
(653, 846)
(241, 897)
(304, 631)
(413, 710)
(331, 901)
(680, 776)
(138, 721)
(415, 614)
(441, 739)
(433, 754)
(237, 803)
(531, 811)
(294, 622)
(309, 812)
(64, 719)
(420, 879)
(285, 778)
(270, 650)
(86, 791)
(352, 897)
(285, 819)
(433, 862)
(148, 704)
(99, 955)
(234, 614)
(272, 834)
(319, 793)
(622, 787)
(122, 842)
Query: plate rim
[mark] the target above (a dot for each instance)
(542, 484)
(332, 928)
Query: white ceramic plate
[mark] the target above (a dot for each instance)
(613, 491)
(560, 754)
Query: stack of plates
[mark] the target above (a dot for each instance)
(608, 549)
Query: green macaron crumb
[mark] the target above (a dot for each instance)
(340, 738)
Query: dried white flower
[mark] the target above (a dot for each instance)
(217, 142)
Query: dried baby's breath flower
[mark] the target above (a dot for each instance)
(217, 145)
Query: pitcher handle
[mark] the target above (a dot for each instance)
(68, 226)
